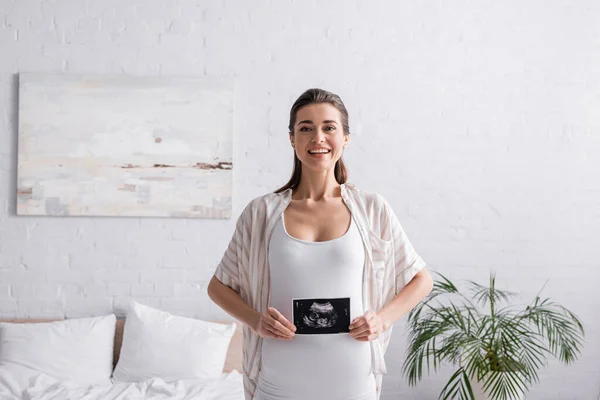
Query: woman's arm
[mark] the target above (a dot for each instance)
(271, 324)
(370, 325)
(412, 294)
(232, 303)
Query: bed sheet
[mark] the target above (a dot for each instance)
(23, 383)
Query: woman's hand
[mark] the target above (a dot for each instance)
(274, 325)
(366, 327)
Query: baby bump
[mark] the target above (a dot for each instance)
(318, 360)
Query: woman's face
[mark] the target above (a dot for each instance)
(319, 126)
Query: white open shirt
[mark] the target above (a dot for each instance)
(390, 263)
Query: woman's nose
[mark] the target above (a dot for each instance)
(319, 136)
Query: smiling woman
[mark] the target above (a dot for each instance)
(318, 271)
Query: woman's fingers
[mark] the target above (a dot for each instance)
(273, 325)
(283, 320)
(280, 323)
(279, 328)
(275, 334)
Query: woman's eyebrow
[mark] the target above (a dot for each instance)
(308, 121)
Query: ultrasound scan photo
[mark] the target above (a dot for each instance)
(321, 316)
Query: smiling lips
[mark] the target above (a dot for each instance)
(319, 150)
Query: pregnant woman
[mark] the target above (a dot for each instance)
(318, 271)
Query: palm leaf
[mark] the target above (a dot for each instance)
(562, 329)
(504, 385)
(483, 294)
(458, 387)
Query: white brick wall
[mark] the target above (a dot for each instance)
(478, 121)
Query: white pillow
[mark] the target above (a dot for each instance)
(157, 344)
(78, 350)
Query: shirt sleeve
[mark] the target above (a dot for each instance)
(407, 263)
(228, 270)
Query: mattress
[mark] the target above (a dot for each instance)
(23, 383)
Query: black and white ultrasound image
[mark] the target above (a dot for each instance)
(321, 316)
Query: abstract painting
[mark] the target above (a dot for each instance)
(125, 146)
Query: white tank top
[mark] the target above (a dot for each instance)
(318, 287)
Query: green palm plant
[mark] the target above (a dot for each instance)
(501, 350)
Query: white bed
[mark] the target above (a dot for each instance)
(17, 382)
(23, 383)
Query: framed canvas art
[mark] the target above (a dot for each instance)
(125, 146)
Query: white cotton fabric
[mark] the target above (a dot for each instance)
(72, 350)
(23, 383)
(157, 344)
(331, 366)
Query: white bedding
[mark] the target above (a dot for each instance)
(24, 383)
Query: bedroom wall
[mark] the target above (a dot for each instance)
(478, 121)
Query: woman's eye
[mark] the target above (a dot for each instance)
(305, 128)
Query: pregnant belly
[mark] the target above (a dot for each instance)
(316, 361)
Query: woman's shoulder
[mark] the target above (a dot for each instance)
(262, 205)
(370, 198)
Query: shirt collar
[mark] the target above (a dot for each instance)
(287, 194)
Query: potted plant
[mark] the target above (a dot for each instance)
(497, 353)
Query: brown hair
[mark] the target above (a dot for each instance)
(317, 96)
